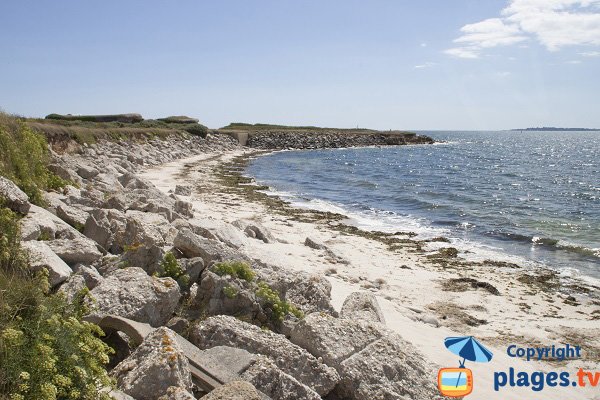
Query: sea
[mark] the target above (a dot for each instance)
(529, 197)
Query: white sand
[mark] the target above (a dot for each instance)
(371, 266)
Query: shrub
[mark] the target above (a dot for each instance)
(24, 159)
(46, 350)
(280, 308)
(196, 129)
(236, 269)
(171, 268)
(230, 292)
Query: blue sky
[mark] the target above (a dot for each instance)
(460, 64)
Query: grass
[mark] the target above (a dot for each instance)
(88, 132)
(235, 269)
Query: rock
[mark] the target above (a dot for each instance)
(230, 235)
(290, 358)
(72, 287)
(90, 274)
(146, 257)
(275, 383)
(177, 393)
(179, 325)
(13, 197)
(183, 190)
(40, 223)
(107, 228)
(72, 216)
(309, 292)
(334, 339)
(184, 208)
(362, 305)
(131, 181)
(192, 245)
(64, 173)
(254, 230)
(431, 320)
(226, 295)
(389, 368)
(192, 267)
(75, 251)
(313, 245)
(42, 256)
(156, 365)
(131, 293)
(87, 172)
(118, 395)
(226, 363)
(147, 229)
(235, 390)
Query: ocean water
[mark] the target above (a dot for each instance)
(527, 197)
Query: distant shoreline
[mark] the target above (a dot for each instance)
(551, 128)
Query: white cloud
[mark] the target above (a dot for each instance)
(463, 52)
(573, 62)
(553, 23)
(423, 44)
(427, 64)
(590, 54)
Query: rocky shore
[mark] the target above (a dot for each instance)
(272, 303)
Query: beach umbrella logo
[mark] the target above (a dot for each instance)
(458, 382)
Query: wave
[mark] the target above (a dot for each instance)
(548, 243)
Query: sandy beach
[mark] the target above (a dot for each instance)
(417, 295)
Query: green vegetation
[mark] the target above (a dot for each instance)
(171, 268)
(25, 157)
(280, 308)
(230, 292)
(236, 269)
(46, 350)
(196, 129)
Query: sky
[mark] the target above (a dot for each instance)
(397, 64)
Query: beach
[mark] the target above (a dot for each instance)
(423, 298)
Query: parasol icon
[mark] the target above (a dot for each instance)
(468, 348)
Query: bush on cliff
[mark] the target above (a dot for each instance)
(24, 158)
(46, 350)
(196, 129)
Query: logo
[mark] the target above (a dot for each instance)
(458, 382)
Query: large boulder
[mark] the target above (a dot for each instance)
(334, 339)
(75, 251)
(156, 365)
(107, 228)
(275, 383)
(192, 245)
(132, 181)
(309, 292)
(389, 368)
(147, 229)
(131, 293)
(75, 217)
(254, 230)
(218, 295)
(42, 256)
(40, 223)
(362, 305)
(235, 390)
(13, 197)
(290, 358)
(177, 393)
(146, 257)
(90, 275)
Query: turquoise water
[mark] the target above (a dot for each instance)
(532, 196)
